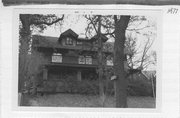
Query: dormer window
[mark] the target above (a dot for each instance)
(69, 41)
(57, 57)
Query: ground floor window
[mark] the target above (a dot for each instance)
(89, 74)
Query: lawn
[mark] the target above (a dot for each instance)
(76, 100)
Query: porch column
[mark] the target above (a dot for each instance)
(79, 75)
(45, 73)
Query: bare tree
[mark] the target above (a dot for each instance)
(109, 25)
(140, 57)
(96, 24)
(116, 30)
(27, 23)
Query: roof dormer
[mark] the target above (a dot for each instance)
(70, 38)
(68, 33)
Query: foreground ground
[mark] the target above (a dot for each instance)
(75, 100)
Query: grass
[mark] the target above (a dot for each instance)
(76, 100)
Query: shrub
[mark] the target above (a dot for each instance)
(136, 87)
(139, 86)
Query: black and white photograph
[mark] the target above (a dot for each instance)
(87, 60)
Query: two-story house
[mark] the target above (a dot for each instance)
(70, 55)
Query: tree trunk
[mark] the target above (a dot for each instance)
(23, 54)
(120, 82)
(100, 63)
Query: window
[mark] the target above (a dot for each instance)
(57, 57)
(81, 60)
(79, 43)
(109, 61)
(88, 60)
(85, 60)
(69, 41)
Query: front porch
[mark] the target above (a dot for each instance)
(77, 70)
(62, 78)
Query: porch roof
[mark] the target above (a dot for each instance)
(70, 65)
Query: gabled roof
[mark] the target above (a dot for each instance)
(45, 41)
(83, 39)
(52, 42)
(103, 37)
(70, 33)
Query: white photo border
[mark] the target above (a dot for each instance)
(151, 12)
(93, 112)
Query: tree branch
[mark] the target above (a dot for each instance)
(45, 22)
(134, 29)
(91, 22)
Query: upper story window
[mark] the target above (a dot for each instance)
(81, 60)
(69, 41)
(57, 57)
(88, 60)
(79, 43)
(85, 60)
(109, 61)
